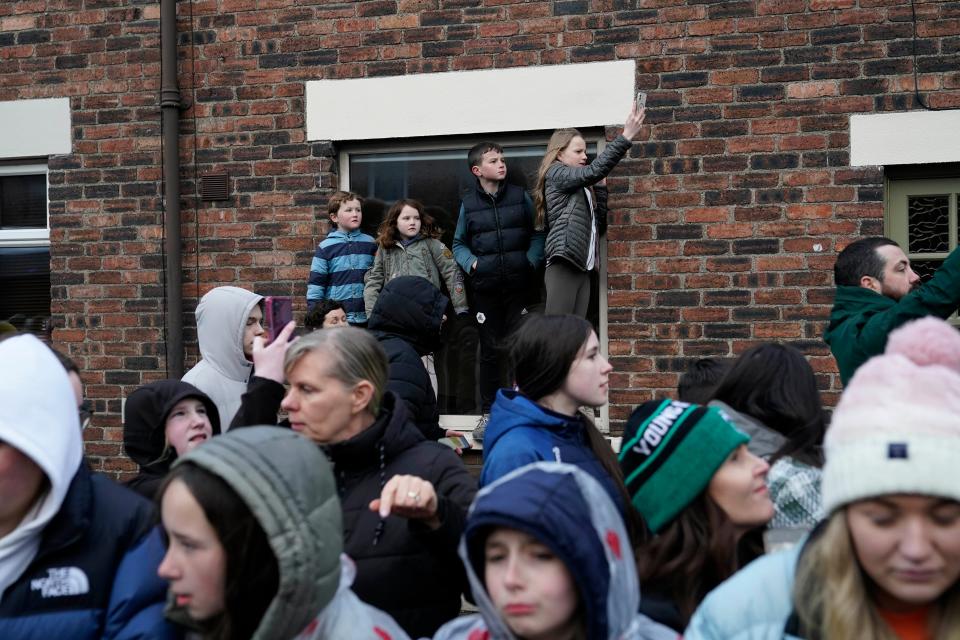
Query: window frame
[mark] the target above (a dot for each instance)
(415, 145)
(33, 236)
(902, 182)
(896, 215)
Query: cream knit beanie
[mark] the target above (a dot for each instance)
(896, 428)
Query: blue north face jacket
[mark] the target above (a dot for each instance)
(95, 573)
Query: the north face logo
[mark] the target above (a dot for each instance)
(62, 581)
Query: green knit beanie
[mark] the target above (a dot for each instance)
(670, 452)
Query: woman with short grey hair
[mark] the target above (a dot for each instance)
(404, 498)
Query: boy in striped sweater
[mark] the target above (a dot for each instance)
(342, 259)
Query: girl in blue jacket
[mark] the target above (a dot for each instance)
(557, 368)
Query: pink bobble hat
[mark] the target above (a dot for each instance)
(896, 429)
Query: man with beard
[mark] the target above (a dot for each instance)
(877, 291)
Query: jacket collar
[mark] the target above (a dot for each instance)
(391, 431)
(347, 235)
(73, 518)
(850, 300)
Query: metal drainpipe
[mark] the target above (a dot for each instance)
(170, 119)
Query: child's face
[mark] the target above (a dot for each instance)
(188, 425)
(196, 562)
(408, 222)
(575, 153)
(348, 217)
(492, 166)
(588, 381)
(530, 587)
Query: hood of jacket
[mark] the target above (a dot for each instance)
(850, 344)
(39, 418)
(144, 420)
(288, 484)
(764, 441)
(221, 319)
(410, 308)
(512, 409)
(568, 511)
(852, 301)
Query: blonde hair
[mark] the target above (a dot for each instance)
(559, 141)
(355, 356)
(832, 600)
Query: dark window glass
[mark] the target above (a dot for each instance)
(436, 178)
(23, 202)
(25, 283)
(925, 268)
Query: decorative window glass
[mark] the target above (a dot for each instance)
(921, 216)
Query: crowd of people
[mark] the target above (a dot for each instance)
(299, 487)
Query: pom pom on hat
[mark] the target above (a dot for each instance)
(896, 428)
(926, 342)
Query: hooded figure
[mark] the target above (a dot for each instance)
(406, 321)
(568, 511)
(224, 370)
(78, 553)
(144, 429)
(287, 484)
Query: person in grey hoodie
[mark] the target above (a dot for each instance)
(256, 542)
(228, 319)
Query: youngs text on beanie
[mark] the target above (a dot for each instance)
(670, 452)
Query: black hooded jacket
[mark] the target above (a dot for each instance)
(403, 568)
(144, 432)
(406, 321)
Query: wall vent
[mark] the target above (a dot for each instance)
(215, 186)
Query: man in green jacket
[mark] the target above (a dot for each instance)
(877, 291)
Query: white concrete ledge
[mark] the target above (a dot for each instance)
(470, 102)
(914, 137)
(34, 128)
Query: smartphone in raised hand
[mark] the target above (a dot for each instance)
(641, 100)
(279, 312)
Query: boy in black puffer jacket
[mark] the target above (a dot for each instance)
(499, 249)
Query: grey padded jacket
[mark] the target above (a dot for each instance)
(567, 209)
(287, 482)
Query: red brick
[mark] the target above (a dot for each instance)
(813, 89)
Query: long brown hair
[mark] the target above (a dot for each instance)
(252, 573)
(541, 353)
(558, 142)
(694, 553)
(832, 598)
(388, 235)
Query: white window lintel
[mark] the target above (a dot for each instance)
(470, 102)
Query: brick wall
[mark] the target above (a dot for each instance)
(726, 217)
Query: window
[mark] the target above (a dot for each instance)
(922, 217)
(24, 248)
(437, 174)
